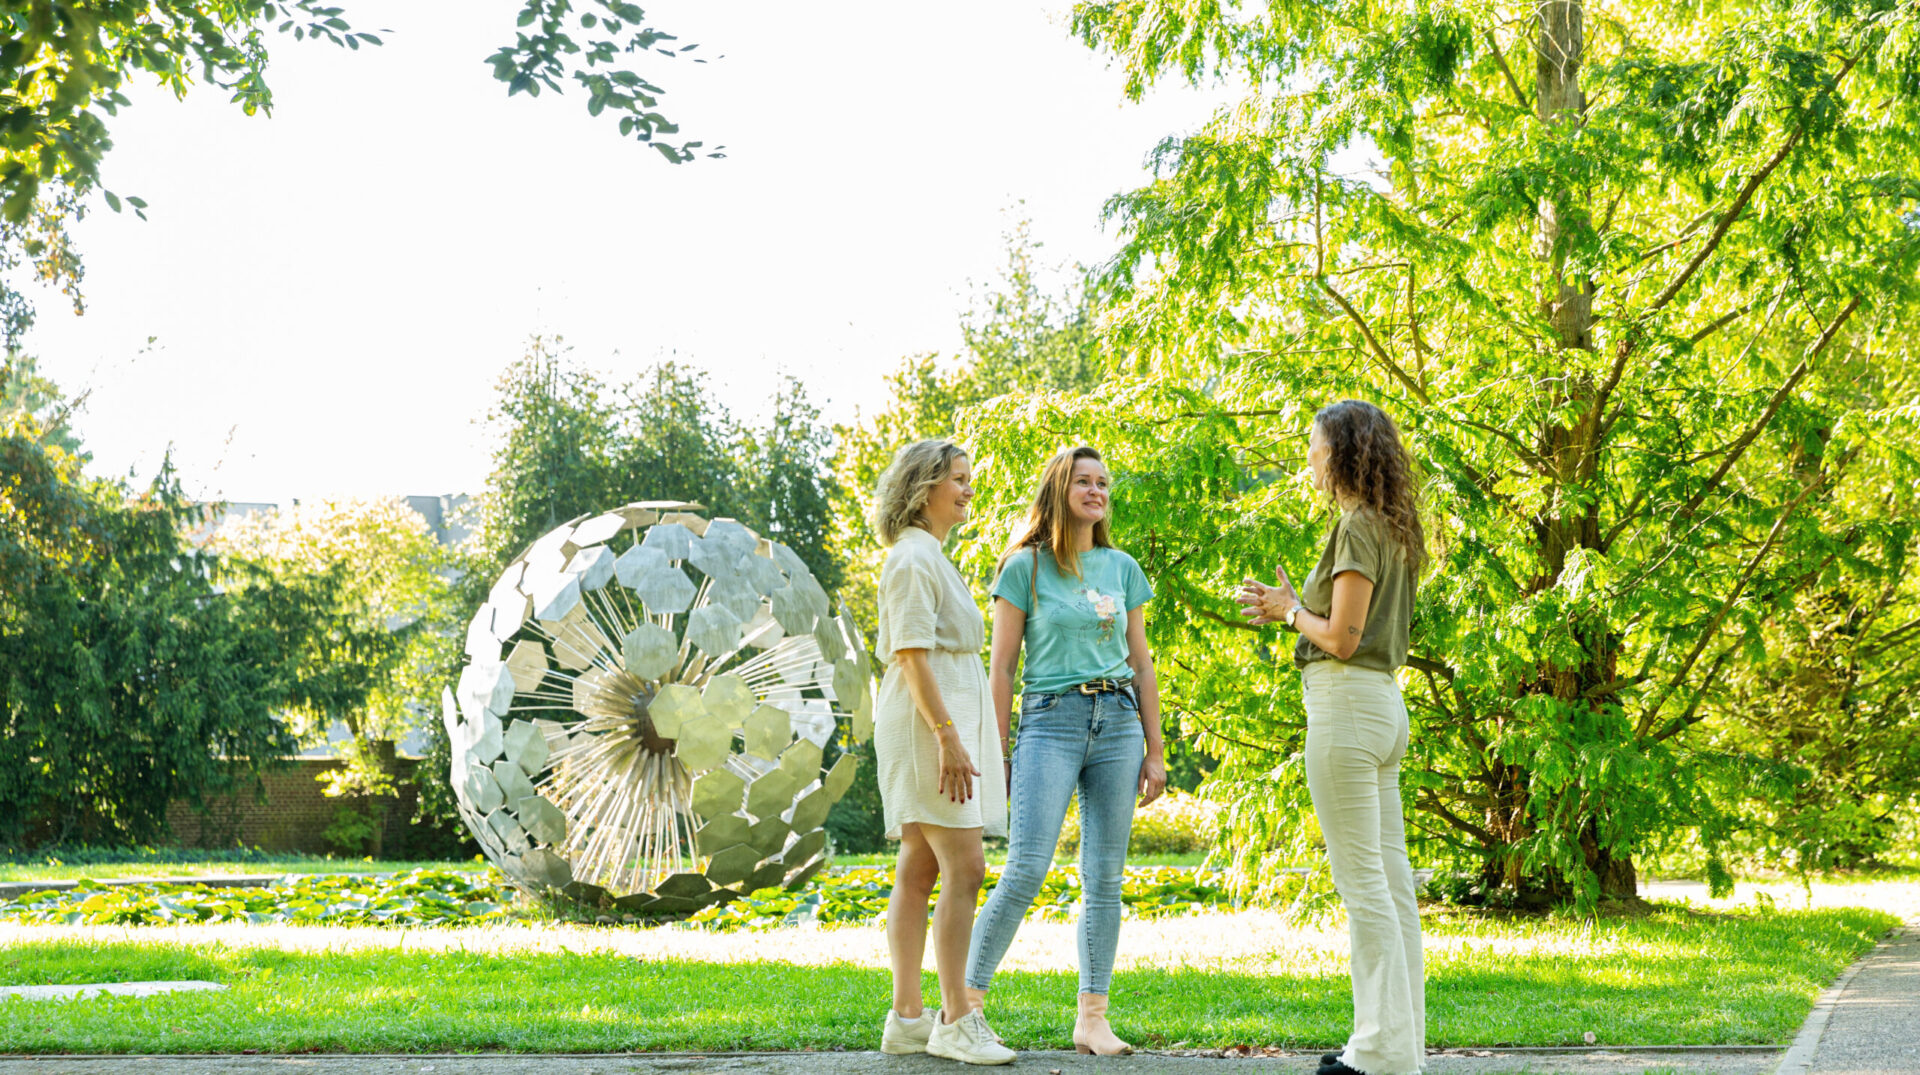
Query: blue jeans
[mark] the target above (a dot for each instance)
(1092, 743)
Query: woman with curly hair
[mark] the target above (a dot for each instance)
(933, 733)
(1352, 615)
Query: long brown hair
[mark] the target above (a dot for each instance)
(1049, 524)
(1367, 461)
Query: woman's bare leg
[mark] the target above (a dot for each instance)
(913, 877)
(963, 866)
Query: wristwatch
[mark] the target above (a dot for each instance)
(1294, 612)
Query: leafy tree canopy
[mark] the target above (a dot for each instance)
(135, 669)
(1641, 292)
(394, 623)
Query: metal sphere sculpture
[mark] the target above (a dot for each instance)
(642, 719)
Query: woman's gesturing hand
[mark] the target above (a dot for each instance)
(956, 769)
(1153, 778)
(1263, 604)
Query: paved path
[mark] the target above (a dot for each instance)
(1869, 1023)
(1031, 1063)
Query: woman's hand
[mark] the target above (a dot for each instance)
(1153, 778)
(956, 769)
(1263, 604)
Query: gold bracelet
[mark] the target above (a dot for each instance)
(937, 727)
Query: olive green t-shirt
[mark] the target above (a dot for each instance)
(1361, 542)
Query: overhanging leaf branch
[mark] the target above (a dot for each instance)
(1746, 439)
(1373, 342)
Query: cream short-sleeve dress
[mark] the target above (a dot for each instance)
(924, 604)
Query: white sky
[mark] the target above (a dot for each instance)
(332, 292)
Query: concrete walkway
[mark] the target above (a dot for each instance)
(1869, 1022)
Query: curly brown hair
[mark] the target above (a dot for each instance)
(1367, 461)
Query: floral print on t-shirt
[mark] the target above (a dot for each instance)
(1105, 608)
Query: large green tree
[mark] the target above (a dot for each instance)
(64, 66)
(389, 633)
(135, 669)
(1617, 272)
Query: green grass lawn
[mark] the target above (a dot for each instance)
(186, 866)
(1676, 977)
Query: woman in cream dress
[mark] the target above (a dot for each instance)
(934, 734)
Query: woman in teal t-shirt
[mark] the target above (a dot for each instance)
(1089, 721)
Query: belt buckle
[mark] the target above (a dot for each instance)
(1087, 688)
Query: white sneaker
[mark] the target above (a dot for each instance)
(970, 1041)
(903, 1036)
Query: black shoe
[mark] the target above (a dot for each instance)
(1329, 1059)
(1333, 1066)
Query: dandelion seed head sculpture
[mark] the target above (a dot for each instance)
(643, 713)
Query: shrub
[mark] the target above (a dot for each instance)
(1175, 824)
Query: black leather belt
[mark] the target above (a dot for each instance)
(1104, 686)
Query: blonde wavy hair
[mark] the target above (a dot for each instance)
(901, 494)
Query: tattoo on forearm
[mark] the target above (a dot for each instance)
(1353, 630)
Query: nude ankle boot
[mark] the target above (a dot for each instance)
(1091, 1034)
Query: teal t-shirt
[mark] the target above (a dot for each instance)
(1078, 632)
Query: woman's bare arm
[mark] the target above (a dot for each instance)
(1009, 630)
(1338, 632)
(1153, 770)
(956, 768)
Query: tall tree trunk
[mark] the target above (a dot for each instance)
(1569, 451)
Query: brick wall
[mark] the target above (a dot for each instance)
(293, 815)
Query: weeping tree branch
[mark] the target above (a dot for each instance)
(1739, 447)
(1373, 342)
(1741, 200)
(1712, 628)
(1429, 800)
(1513, 84)
(1688, 719)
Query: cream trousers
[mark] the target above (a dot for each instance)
(1356, 736)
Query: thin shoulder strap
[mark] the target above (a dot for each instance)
(1033, 582)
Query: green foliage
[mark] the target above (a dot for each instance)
(25, 393)
(860, 895)
(569, 444)
(418, 898)
(393, 625)
(70, 862)
(1639, 316)
(135, 669)
(1018, 339)
(558, 40)
(1176, 823)
(1828, 721)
